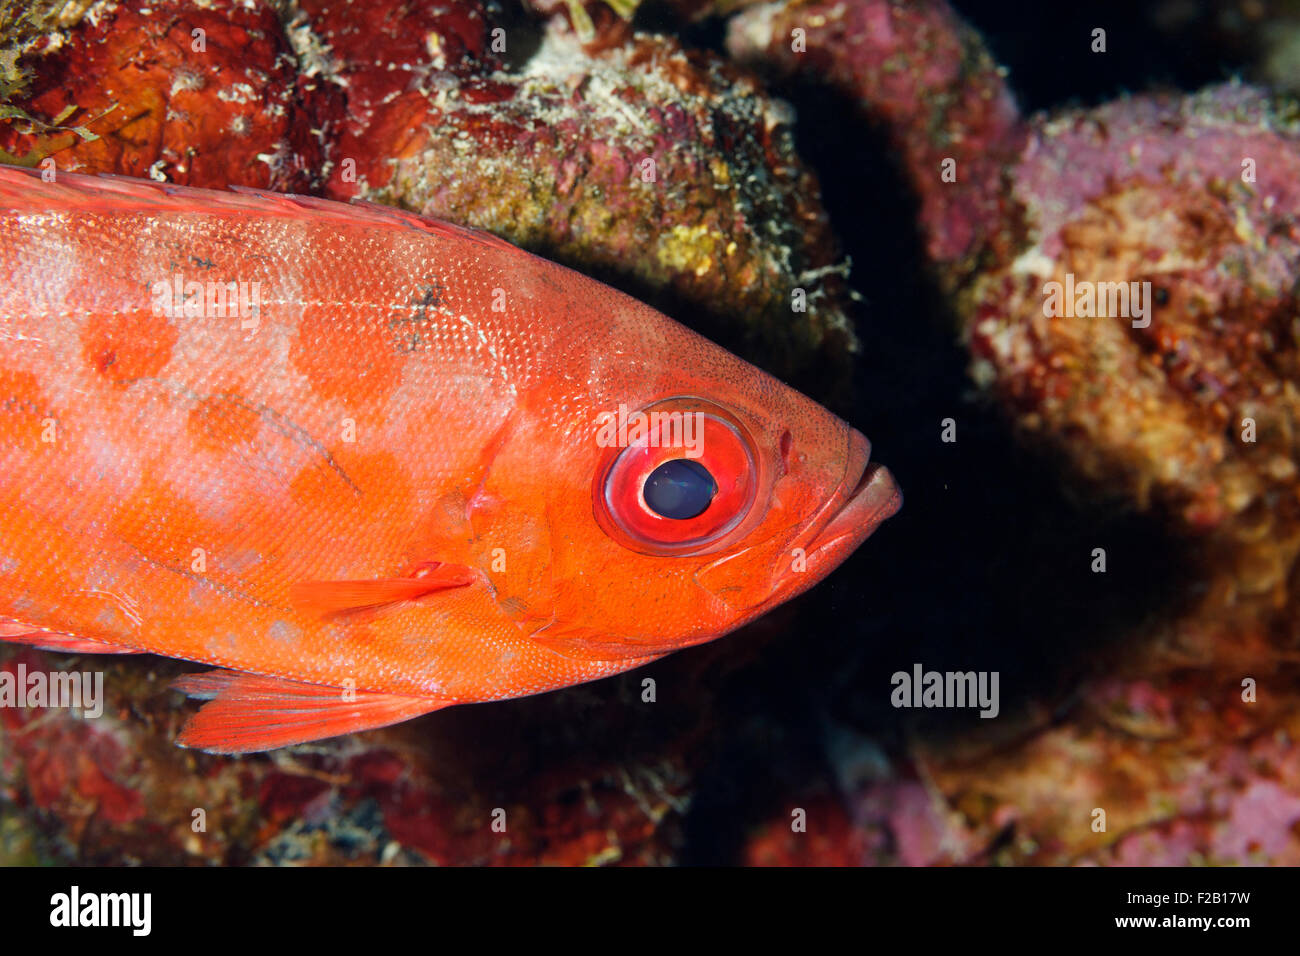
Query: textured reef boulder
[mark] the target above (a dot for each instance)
(664, 171)
(113, 789)
(1126, 281)
(926, 78)
(1195, 195)
(1188, 206)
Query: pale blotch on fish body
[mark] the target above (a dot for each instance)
(387, 485)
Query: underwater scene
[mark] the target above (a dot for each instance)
(849, 433)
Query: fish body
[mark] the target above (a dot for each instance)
(369, 464)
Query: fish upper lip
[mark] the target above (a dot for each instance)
(867, 497)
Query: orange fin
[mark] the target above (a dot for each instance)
(344, 597)
(16, 632)
(249, 712)
(589, 644)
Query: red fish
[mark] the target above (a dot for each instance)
(370, 465)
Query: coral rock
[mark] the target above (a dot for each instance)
(662, 170)
(196, 95)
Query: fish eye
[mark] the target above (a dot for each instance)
(683, 480)
(679, 489)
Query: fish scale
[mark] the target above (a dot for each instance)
(374, 489)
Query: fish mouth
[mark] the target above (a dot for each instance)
(866, 498)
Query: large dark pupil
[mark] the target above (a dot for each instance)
(679, 489)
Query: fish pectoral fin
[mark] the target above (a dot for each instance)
(590, 644)
(15, 632)
(250, 712)
(349, 597)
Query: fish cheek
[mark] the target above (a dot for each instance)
(515, 554)
(619, 595)
(745, 578)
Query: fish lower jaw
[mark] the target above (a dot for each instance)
(875, 498)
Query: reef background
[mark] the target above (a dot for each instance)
(985, 568)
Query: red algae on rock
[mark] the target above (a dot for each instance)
(113, 789)
(190, 94)
(361, 61)
(644, 163)
(665, 170)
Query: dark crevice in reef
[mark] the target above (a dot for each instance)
(987, 567)
(1047, 48)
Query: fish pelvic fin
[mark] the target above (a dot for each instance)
(247, 713)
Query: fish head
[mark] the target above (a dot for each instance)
(695, 492)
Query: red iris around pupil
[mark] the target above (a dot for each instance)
(720, 448)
